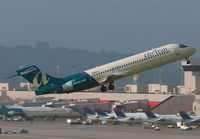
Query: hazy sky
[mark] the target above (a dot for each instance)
(126, 26)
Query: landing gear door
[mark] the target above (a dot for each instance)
(176, 51)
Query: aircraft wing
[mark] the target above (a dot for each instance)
(195, 120)
(132, 118)
(160, 119)
(112, 77)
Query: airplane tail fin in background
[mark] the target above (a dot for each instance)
(119, 113)
(88, 110)
(184, 115)
(35, 76)
(150, 114)
(99, 111)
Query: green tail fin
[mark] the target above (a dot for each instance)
(35, 76)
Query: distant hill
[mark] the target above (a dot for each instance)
(48, 58)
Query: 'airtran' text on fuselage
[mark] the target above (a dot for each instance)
(156, 52)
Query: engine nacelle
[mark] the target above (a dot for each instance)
(68, 86)
(76, 84)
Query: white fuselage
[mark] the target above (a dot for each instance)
(169, 119)
(47, 111)
(139, 63)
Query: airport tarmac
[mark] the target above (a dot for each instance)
(60, 130)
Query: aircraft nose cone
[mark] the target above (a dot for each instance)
(193, 50)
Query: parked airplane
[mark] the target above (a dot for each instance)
(189, 119)
(141, 117)
(108, 73)
(163, 119)
(33, 112)
(148, 116)
(170, 119)
(103, 115)
(50, 112)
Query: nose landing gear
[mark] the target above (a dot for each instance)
(188, 61)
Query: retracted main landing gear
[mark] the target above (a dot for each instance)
(103, 88)
(110, 87)
(188, 61)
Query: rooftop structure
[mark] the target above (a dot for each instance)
(191, 77)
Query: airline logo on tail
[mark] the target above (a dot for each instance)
(100, 112)
(119, 113)
(150, 114)
(44, 79)
(187, 118)
(88, 110)
(184, 115)
(153, 118)
(39, 78)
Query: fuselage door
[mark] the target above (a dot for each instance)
(176, 51)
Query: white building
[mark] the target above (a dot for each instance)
(196, 106)
(28, 86)
(131, 88)
(157, 88)
(151, 88)
(4, 86)
(161, 88)
(135, 88)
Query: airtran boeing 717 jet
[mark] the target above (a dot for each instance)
(108, 73)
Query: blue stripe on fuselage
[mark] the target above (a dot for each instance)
(92, 79)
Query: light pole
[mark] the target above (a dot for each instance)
(20, 80)
(182, 83)
(57, 71)
(160, 78)
(73, 69)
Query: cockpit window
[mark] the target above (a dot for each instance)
(182, 46)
